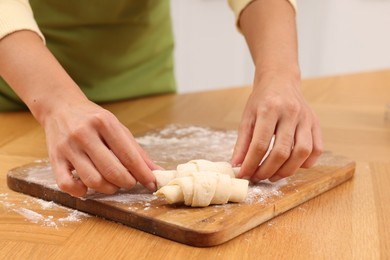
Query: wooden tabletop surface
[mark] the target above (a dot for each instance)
(351, 221)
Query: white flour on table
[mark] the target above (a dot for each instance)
(175, 144)
(46, 211)
(41, 174)
(265, 190)
(172, 145)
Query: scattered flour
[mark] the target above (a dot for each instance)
(46, 209)
(46, 204)
(33, 216)
(138, 196)
(74, 216)
(179, 144)
(42, 174)
(176, 144)
(46, 160)
(129, 198)
(263, 191)
(168, 147)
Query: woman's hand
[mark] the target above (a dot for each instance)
(80, 135)
(276, 107)
(90, 140)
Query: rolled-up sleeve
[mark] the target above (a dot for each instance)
(239, 5)
(17, 15)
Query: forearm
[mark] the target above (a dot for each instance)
(269, 28)
(80, 135)
(35, 75)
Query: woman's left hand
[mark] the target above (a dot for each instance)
(276, 107)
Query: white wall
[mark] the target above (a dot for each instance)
(334, 37)
(343, 36)
(209, 53)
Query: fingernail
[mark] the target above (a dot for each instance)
(151, 186)
(236, 171)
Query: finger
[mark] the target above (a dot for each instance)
(127, 153)
(142, 152)
(65, 179)
(280, 153)
(303, 146)
(107, 164)
(262, 135)
(275, 178)
(317, 146)
(245, 133)
(90, 176)
(146, 157)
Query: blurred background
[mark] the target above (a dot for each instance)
(335, 37)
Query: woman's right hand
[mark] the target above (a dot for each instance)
(80, 135)
(90, 140)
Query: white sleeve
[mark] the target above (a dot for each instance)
(17, 15)
(238, 6)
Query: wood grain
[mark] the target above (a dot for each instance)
(350, 221)
(208, 226)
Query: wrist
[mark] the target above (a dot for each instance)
(291, 74)
(36, 76)
(60, 98)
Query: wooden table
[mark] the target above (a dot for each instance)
(350, 221)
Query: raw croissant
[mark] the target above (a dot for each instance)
(200, 183)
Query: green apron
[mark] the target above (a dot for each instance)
(113, 50)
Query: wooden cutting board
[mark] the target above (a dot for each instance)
(193, 226)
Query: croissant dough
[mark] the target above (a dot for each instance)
(200, 183)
